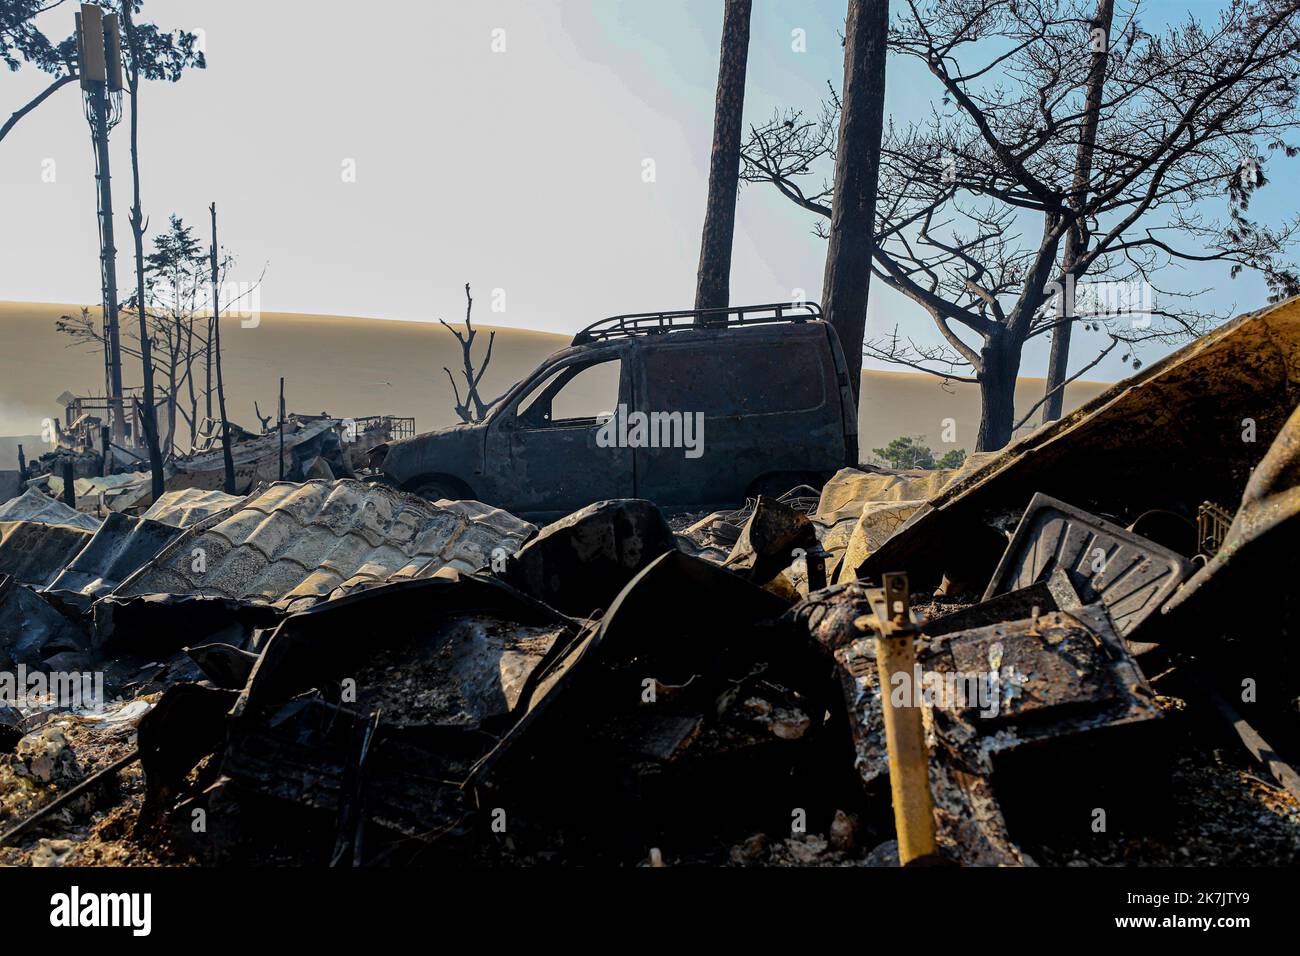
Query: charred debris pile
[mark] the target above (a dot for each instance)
(90, 472)
(331, 672)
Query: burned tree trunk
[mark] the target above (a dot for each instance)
(712, 288)
(1178, 119)
(857, 166)
(193, 419)
(999, 361)
(473, 408)
(1076, 240)
(150, 410)
(214, 357)
(173, 390)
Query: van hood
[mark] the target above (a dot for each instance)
(455, 450)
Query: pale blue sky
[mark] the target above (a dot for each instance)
(519, 171)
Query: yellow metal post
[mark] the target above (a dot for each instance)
(909, 772)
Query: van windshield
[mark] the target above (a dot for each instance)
(573, 394)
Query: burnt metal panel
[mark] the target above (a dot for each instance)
(1042, 679)
(770, 402)
(120, 546)
(1011, 606)
(34, 552)
(643, 624)
(32, 627)
(1037, 682)
(1053, 675)
(1129, 574)
(468, 626)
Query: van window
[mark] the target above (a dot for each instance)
(575, 394)
(738, 380)
(534, 406)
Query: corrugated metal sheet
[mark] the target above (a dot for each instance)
(31, 628)
(35, 552)
(860, 510)
(33, 505)
(189, 506)
(302, 541)
(122, 545)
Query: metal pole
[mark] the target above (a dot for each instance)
(909, 770)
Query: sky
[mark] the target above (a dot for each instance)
(373, 158)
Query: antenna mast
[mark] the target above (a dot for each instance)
(99, 60)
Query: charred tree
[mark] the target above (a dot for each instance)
(978, 201)
(214, 358)
(1076, 240)
(847, 279)
(149, 411)
(712, 287)
(473, 408)
(21, 40)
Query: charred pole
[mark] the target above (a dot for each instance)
(214, 349)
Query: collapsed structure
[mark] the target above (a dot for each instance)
(333, 672)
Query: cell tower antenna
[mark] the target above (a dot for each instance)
(99, 61)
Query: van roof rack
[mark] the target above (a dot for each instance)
(656, 323)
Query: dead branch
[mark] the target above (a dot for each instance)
(472, 376)
(1114, 341)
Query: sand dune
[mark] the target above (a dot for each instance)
(344, 366)
(353, 366)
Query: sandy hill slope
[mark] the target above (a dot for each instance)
(353, 366)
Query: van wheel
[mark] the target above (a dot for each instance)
(439, 488)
